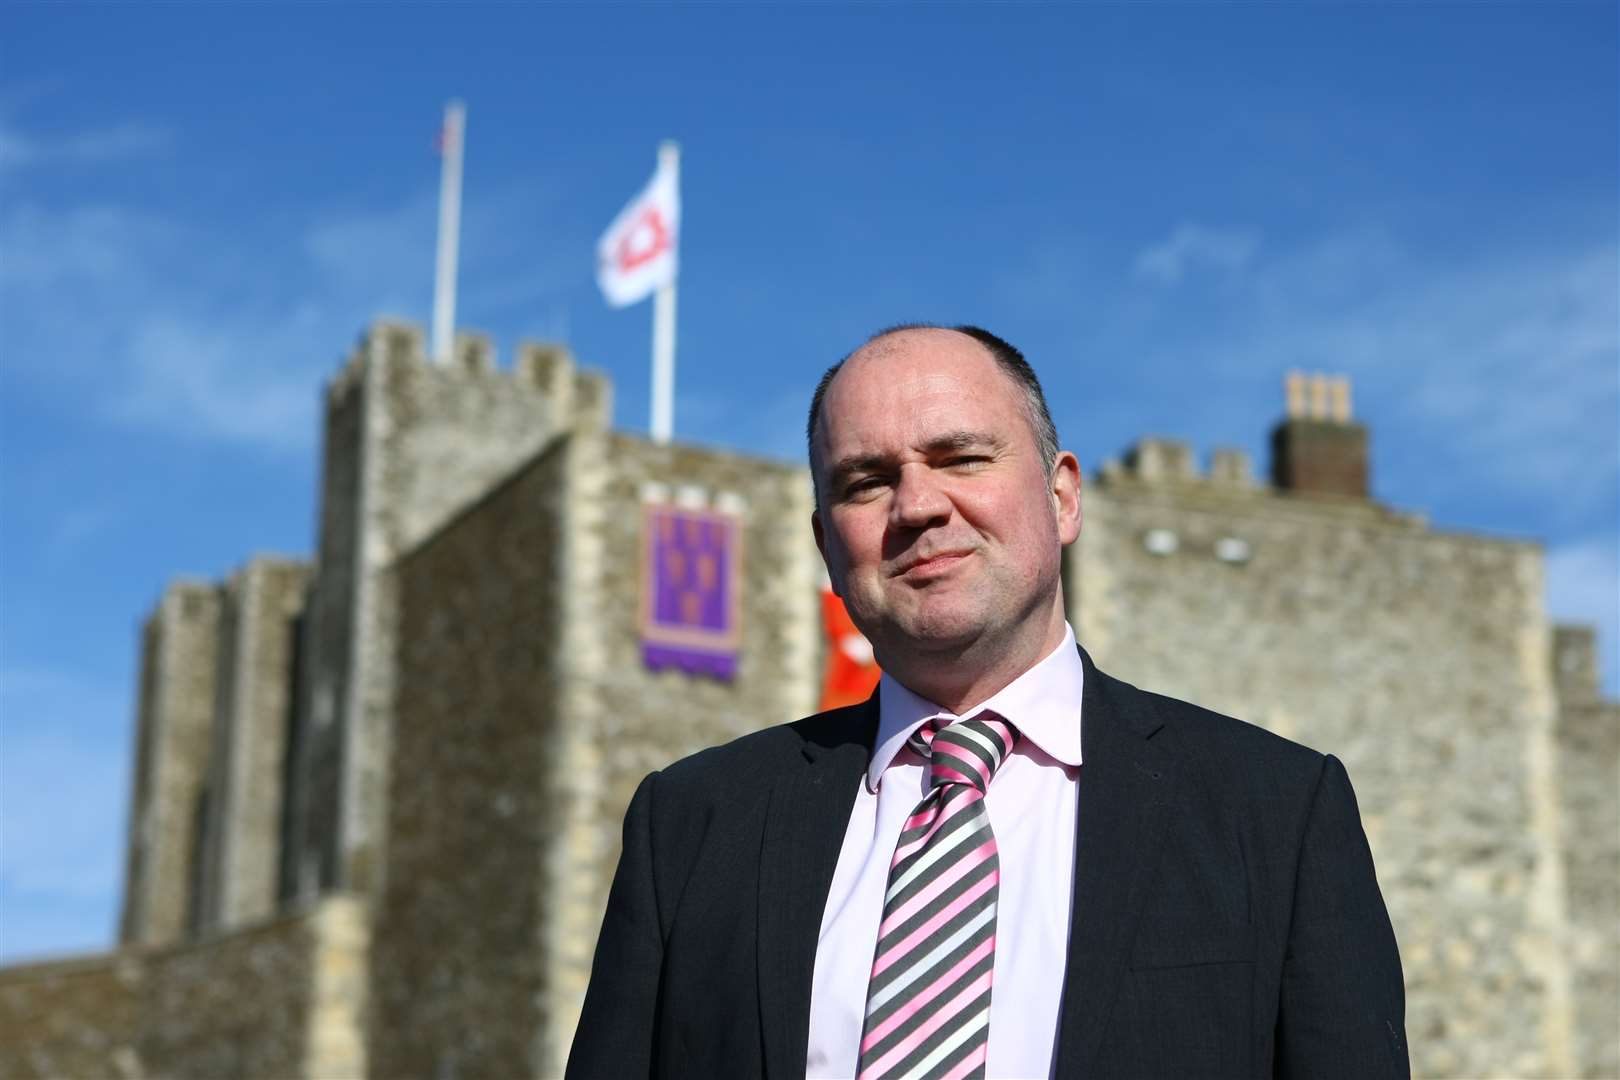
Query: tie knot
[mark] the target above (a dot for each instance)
(965, 751)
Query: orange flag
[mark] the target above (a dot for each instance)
(851, 672)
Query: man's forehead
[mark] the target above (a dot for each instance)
(927, 340)
(915, 364)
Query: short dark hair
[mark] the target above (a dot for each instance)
(1008, 358)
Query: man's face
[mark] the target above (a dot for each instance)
(938, 522)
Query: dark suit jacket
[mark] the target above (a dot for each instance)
(1226, 919)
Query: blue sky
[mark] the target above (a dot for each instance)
(1166, 206)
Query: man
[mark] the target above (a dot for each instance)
(1006, 863)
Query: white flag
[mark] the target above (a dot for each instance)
(637, 253)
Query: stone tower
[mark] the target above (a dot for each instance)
(174, 722)
(407, 443)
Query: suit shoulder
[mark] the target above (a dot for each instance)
(762, 755)
(1232, 769)
(1217, 738)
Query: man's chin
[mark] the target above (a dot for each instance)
(937, 635)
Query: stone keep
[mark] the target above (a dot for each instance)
(407, 443)
(377, 799)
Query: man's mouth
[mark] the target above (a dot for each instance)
(931, 565)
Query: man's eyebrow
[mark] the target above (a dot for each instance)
(964, 440)
(858, 463)
(845, 467)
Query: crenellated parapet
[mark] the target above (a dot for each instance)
(582, 396)
(584, 393)
(1163, 461)
(1319, 457)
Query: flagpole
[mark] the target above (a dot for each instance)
(444, 276)
(663, 366)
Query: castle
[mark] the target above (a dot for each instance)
(377, 795)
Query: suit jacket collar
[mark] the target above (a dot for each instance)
(1124, 788)
(804, 831)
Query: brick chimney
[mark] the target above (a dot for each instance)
(1317, 448)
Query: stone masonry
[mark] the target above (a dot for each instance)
(173, 724)
(283, 998)
(1418, 658)
(1588, 733)
(241, 838)
(525, 724)
(377, 800)
(471, 826)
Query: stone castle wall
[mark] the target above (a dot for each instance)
(284, 998)
(136, 856)
(309, 847)
(471, 819)
(76, 1017)
(1419, 659)
(1588, 735)
(636, 720)
(241, 836)
(176, 717)
(524, 726)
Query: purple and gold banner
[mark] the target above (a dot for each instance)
(691, 563)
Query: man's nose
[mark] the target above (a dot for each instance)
(919, 500)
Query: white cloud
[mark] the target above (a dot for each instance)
(1501, 372)
(20, 150)
(377, 250)
(1191, 246)
(228, 381)
(166, 326)
(86, 245)
(140, 320)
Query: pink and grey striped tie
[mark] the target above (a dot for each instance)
(928, 1001)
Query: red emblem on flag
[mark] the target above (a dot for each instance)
(644, 241)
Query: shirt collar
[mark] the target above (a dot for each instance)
(1043, 704)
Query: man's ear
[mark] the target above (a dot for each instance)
(1066, 496)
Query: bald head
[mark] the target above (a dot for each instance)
(1008, 359)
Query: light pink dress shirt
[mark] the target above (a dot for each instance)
(1032, 804)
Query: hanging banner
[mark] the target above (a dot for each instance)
(691, 577)
(852, 674)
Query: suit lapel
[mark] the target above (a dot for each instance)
(1125, 782)
(804, 831)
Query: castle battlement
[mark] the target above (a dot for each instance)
(1317, 451)
(1159, 460)
(538, 367)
